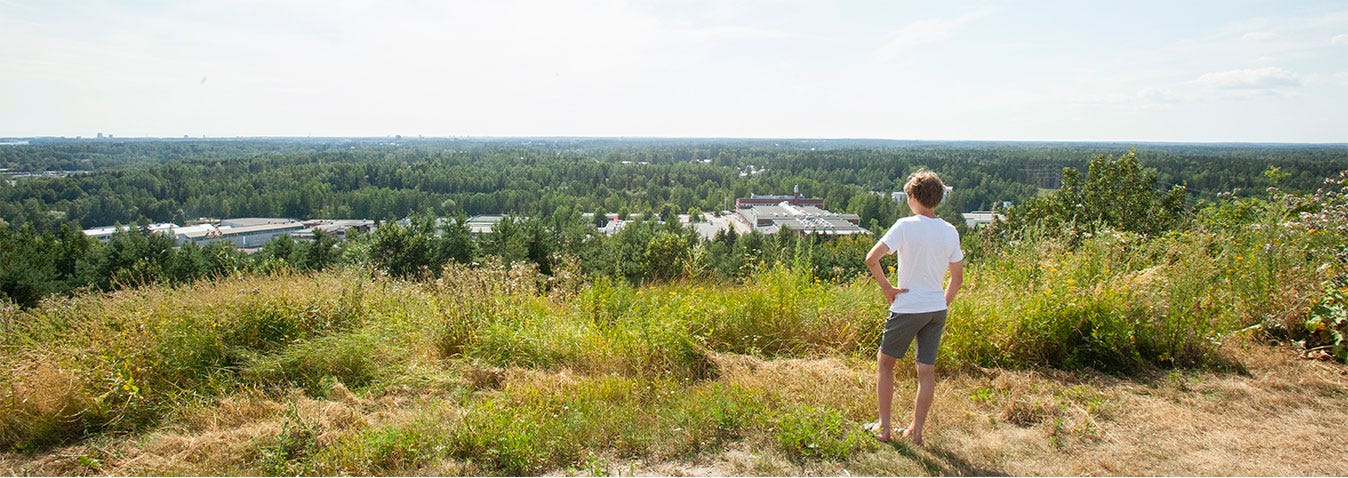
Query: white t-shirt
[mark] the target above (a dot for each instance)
(926, 246)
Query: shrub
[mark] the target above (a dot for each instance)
(807, 433)
(1116, 193)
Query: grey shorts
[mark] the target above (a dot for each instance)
(900, 330)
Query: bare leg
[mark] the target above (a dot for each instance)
(926, 387)
(884, 391)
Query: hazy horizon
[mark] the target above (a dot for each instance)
(638, 139)
(1137, 72)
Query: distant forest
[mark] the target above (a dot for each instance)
(135, 181)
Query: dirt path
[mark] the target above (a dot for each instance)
(1285, 416)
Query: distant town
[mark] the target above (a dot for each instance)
(767, 214)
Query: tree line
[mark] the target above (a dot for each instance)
(174, 181)
(548, 187)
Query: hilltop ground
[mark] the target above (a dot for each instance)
(1280, 415)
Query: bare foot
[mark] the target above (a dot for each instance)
(912, 435)
(880, 433)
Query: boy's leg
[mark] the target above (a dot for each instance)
(928, 340)
(884, 386)
(926, 387)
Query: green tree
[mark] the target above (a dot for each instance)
(455, 243)
(27, 273)
(667, 254)
(280, 252)
(401, 252)
(133, 257)
(322, 253)
(1116, 193)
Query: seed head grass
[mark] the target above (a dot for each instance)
(498, 369)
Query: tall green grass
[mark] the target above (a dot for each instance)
(1121, 302)
(128, 358)
(554, 373)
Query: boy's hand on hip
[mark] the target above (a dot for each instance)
(891, 293)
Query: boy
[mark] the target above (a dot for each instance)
(927, 247)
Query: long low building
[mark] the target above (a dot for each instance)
(981, 218)
(105, 232)
(772, 200)
(336, 227)
(244, 233)
(248, 237)
(800, 219)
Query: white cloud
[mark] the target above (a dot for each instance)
(1158, 97)
(1146, 98)
(1268, 78)
(1215, 86)
(923, 32)
(1341, 39)
(740, 33)
(1259, 36)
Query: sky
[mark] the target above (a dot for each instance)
(1191, 71)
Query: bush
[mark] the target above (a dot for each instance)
(807, 433)
(1327, 322)
(1116, 194)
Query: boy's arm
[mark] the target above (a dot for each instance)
(956, 281)
(878, 273)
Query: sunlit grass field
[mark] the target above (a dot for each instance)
(496, 369)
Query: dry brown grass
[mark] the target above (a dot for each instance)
(1281, 416)
(45, 397)
(1284, 417)
(224, 437)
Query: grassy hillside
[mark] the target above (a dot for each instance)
(1055, 346)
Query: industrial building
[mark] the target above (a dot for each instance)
(483, 224)
(981, 218)
(802, 215)
(244, 233)
(105, 232)
(794, 199)
(336, 227)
